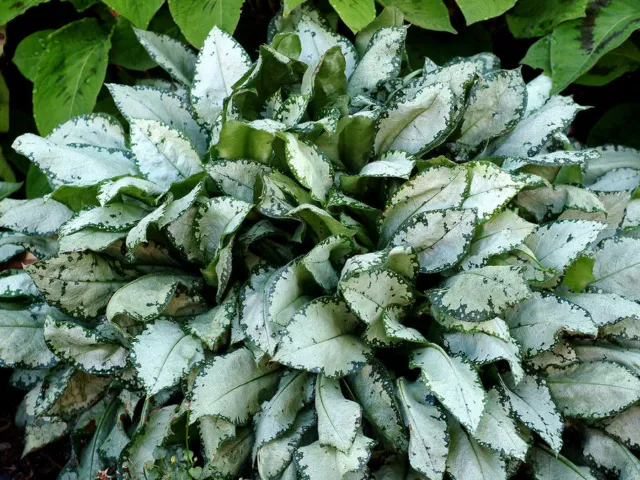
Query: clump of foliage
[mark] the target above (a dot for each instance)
(320, 265)
(583, 41)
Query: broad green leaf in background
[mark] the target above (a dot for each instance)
(577, 45)
(475, 11)
(356, 15)
(29, 53)
(536, 18)
(11, 9)
(70, 73)
(196, 18)
(429, 14)
(139, 13)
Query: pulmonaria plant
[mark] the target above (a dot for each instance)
(319, 265)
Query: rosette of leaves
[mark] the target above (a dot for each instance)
(320, 265)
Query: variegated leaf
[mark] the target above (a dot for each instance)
(162, 354)
(163, 154)
(173, 56)
(418, 123)
(320, 339)
(428, 438)
(440, 238)
(220, 64)
(531, 402)
(481, 293)
(232, 397)
(464, 397)
(537, 322)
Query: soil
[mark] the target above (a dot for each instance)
(43, 464)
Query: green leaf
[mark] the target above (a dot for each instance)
(470, 460)
(481, 293)
(320, 339)
(531, 402)
(536, 323)
(126, 51)
(220, 64)
(75, 55)
(428, 14)
(29, 53)
(80, 284)
(534, 18)
(14, 8)
(620, 60)
(593, 390)
(22, 343)
(196, 18)
(577, 45)
(475, 12)
(233, 398)
(356, 15)
(464, 397)
(140, 13)
(428, 440)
